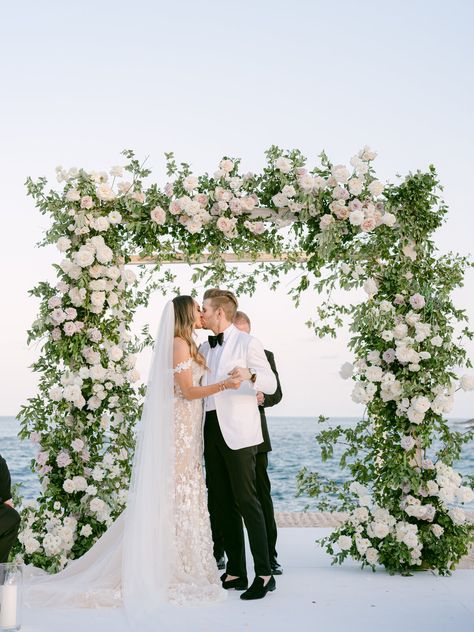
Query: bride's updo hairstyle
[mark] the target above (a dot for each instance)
(223, 299)
(184, 325)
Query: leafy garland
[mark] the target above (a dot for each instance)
(353, 231)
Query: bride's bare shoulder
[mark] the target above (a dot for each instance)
(180, 346)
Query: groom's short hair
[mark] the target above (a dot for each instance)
(223, 299)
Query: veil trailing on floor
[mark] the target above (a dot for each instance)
(132, 562)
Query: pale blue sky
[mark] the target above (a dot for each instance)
(83, 80)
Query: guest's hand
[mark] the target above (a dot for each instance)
(241, 373)
(260, 398)
(9, 503)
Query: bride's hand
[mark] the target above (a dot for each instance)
(233, 383)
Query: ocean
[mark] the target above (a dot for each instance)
(293, 442)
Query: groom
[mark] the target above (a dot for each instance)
(232, 431)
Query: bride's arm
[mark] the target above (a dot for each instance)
(184, 377)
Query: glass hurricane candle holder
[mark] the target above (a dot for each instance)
(11, 588)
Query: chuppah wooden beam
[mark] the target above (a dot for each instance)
(229, 257)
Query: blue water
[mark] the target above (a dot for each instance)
(293, 444)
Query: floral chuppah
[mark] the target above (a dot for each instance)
(353, 231)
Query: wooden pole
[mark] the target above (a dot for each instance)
(228, 257)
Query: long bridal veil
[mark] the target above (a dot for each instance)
(132, 561)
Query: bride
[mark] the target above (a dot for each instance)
(160, 548)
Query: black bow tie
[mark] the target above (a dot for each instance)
(215, 340)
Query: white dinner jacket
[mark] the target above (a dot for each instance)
(237, 410)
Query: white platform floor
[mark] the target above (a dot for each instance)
(311, 595)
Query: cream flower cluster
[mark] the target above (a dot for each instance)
(58, 538)
(220, 206)
(355, 194)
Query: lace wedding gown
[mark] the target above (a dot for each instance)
(96, 579)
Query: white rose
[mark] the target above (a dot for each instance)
(457, 515)
(105, 193)
(437, 530)
(73, 195)
(436, 341)
(344, 542)
(306, 182)
(372, 556)
(465, 494)
(389, 219)
(420, 404)
(55, 393)
(280, 200)
(326, 221)
(104, 254)
(374, 374)
(380, 529)
(417, 301)
(226, 224)
(101, 224)
(414, 416)
(376, 188)
(86, 531)
(63, 244)
(283, 164)
(77, 445)
(356, 218)
(98, 299)
(289, 191)
(355, 186)
(190, 183)
(80, 483)
(158, 215)
(340, 173)
(370, 287)
(77, 296)
(31, 545)
(362, 544)
(114, 217)
(115, 353)
(84, 257)
(407, 442)
(69, 486)
(97, 505)
(226, 165)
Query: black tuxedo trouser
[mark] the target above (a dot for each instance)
(9, 525)
(232, 485)
(264, 493)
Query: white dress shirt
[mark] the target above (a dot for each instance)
(213, 365)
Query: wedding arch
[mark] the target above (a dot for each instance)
(337, 226)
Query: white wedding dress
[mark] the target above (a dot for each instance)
(160, 549)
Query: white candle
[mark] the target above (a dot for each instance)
(8, 607)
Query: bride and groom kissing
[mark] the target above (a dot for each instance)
(198, 400)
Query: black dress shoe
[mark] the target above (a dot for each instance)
(258, 590)
(241, 583)
(276, 568)
(220, 561)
